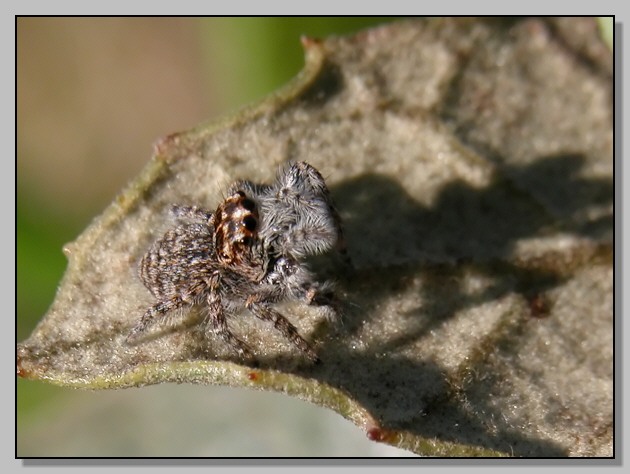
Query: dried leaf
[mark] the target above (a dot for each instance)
(471, 162)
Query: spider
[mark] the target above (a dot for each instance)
(248, 253)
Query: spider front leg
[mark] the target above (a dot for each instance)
(317, 294)
(302, 285)
(282, 324)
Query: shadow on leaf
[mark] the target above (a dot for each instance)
(394, 242)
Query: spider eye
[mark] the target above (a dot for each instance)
(250, 223)
(246, 241)
(248, 204)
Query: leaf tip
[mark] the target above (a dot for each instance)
(309, 43)
(21, 370)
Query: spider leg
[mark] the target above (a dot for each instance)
(317, 294)
(317, 182)
(217, 323)
(316, 226)
(282, 324)
(193, 213)
(302, 285)
(323, 297)
(158, 312)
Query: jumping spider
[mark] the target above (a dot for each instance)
(248, 253)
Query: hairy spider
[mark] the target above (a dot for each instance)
(249, 253)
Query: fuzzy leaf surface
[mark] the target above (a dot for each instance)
(472, 165)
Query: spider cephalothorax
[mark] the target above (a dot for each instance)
(248, 253)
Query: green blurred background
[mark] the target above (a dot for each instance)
(93, 95)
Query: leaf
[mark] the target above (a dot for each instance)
(471, 161)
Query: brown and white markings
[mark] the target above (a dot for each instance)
(248, 253)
